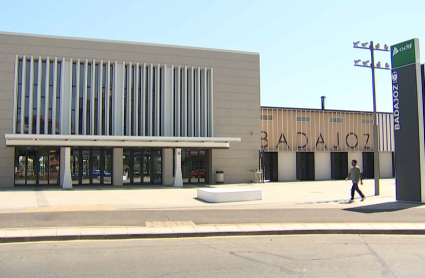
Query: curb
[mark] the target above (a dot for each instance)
(79, 237)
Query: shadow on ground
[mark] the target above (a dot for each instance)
(384, 207)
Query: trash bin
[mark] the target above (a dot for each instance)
(219, 177)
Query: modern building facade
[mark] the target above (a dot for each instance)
(313, 144)
(84, 112)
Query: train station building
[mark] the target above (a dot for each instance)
(96, 112)
(319, 144)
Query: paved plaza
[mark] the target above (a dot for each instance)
(319, 207)
(315, 194)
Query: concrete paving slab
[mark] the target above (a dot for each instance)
(360, 226)
(92, 233)
(43, 234)
(250, 227)
(271, 227)
(3, 233)
(228, 228)
(404, 226)
(68, 233)
(116, 232)
(139, 232)
(206, 229)
(419, 225)
(382, 226)
(294, 226)
(18, 235)
(316, 226)
(162, 230)
(185, 231)
(338, 226)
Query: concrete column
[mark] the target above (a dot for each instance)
(287, 163)
(178, 180)
(322, 165)
(117, 166)
(386, 164)
(65, 168)
(167, 166)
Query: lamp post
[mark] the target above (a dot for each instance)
(372, 66)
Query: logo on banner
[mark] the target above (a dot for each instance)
(395, 51)
(403, 54)
(396, 101)
(403, 48)
(395, 77)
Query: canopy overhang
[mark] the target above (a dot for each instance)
(14, 140)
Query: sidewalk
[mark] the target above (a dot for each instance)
(105, 233)
(293, 208)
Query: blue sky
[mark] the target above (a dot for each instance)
(305, 46)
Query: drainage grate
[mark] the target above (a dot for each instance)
(164, 224)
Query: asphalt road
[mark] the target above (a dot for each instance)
(268, 256)
(395, 213)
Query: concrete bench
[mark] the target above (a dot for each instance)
(222, 195)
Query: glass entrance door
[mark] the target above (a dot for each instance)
(44, 166)
(86, 163)
(34, 166)
(91, 166)
(146, 158)
(195, 166)
(156, 166)
(75, 166)
(142, 166)
(137, 167)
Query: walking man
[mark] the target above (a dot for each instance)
(356, 176)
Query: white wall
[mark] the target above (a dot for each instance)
(287, 163)
(322, 165)
(167, 167)
(357, 156)
(117, 154)
(386, 164)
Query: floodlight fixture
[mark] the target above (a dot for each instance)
(371, 64)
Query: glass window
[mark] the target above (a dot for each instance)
(19, 98)
(80, 105)
(58, 95)
(34, 99)
(37, 166)
(73, 94)
(27, 95)
(43, 98)
(87, 111)
(51, 77)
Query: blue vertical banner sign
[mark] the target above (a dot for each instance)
(408, 109)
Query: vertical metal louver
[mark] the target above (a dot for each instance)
(54, 95)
